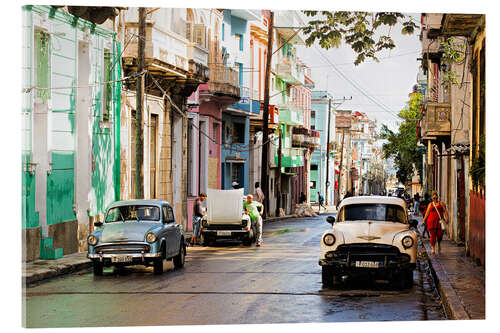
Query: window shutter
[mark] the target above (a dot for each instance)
(189, 31)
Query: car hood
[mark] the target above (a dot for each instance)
(369, 232)
(224, 206)
(126, 231)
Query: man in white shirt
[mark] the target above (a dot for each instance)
(259, 195)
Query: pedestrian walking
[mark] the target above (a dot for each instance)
(259, 194)
(321, 200)
(422, 210)
(436, 217)
(198, 213)
(255, 209)
(416, 203)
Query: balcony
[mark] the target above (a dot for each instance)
(290, 158)
(436, 120)
(246, 103)
(305, 138)
(290, 114)
(223, 80)
(288, 19)
(166, 52)
(288, 70)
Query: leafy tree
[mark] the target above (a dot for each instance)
(357, 29)
(402, 145)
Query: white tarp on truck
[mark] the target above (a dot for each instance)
(224, 206)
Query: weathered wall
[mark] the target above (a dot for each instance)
(65, 235)
(31, 244)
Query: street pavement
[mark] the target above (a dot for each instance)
(279, 271)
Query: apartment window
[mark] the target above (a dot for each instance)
(107, 93)
(223, 28)
(314, 167)
(238, 133)
(313, 184)
(215, 130)
(313, 127)
(313, 114)
(42, 47)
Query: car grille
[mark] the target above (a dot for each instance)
(225, 227)
(370, 252)
(122, 248)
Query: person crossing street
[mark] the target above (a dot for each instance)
(255, 209)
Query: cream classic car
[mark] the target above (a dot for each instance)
(371, 236)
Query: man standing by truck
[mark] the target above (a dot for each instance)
(255, 209)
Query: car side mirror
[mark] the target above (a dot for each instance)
(330, 219)
(413, 224)
(97, 224)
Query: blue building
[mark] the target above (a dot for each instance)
(319, 122)
(235, 152)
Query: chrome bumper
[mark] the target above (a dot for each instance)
(133, 255)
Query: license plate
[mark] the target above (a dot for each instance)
(121, 259)
(367, 264)
(223, 233)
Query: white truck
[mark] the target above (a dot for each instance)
(226, 219)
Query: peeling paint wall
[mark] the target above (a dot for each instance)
(50, 188)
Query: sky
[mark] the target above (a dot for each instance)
(388, 82)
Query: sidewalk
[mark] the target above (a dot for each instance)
(460, 282)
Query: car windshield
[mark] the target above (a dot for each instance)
(136, 213)
(372, 212)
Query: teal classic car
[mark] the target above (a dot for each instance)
(137, 232)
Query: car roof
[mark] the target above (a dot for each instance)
(374, 199)
(139, 202)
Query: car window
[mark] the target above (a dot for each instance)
(372, 212)
(168, 214)
(137, 213)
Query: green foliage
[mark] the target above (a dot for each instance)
(452, 54)
(478, 168)
(402, 145)
(356, 29)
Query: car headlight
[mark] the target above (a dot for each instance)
(92, 240)
(150, 237)
(407, 242)
(329, 239)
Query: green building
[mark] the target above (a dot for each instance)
(70, 112)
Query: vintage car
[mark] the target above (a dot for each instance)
(137, 232)
(226, 219)
(370, 236)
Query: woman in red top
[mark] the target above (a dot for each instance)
(436, 210)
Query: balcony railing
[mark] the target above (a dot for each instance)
(290, 71)
(166, 46)
(290, 113)
(223, 80)
(436, 120)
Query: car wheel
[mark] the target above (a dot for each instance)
(407, 278)
(327, 276)
(181, 257)
(247, 241)
(158, 266)
(98, 268)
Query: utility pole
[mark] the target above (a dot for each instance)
(264, 176)
(139, 107)
(278, 182)
(327, 183)
(340, 167)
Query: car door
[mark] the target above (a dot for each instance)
(170, 231)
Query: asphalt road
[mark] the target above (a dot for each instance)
(229, 283)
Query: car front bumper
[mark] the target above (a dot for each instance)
(109, 259)
(391, 264)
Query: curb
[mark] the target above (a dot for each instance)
(452, 304)
(55, 270)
